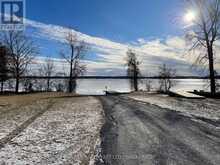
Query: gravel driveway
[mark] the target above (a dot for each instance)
(138, 133)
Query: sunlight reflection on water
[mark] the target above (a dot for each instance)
(98, 87)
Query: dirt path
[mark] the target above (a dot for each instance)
(138, 133)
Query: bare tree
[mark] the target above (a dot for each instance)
(3, 65)
(39, 84)
(74, 55)
(207, 83)
(133, 70)
(149, 85)
(61, 85)
(28, 85)
(48, 70)
(21, 51)
(165, 82)
(205, 32)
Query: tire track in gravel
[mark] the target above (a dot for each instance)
(23, 126)
(147, 134)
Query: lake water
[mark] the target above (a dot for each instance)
(97, 87)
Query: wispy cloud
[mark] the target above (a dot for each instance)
(110, 55)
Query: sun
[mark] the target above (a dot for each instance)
(190, 16)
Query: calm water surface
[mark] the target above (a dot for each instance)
(98, 87)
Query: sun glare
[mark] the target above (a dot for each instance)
(190, 17)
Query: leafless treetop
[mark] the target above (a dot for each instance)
(22, 49)
(206, 26)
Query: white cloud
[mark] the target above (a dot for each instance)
(176, 42)
(111, 55)
(141, 41)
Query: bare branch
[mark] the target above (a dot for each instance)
(74, 54)
(21, 52)
(206, 30)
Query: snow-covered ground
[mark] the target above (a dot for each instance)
(62, 130)
(205, 108)
(15, 117)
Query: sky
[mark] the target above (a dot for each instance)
(152, 28)
(117, 20)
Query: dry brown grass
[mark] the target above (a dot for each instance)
(20, 100)
(45, 128)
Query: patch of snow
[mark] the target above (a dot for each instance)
(65, 134)
(206, 108)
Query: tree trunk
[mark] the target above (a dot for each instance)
(17, 75)
(71, 71)
(2, 86)
(70, 83)
(135, 84)
(74, 85)
(135, 79)
(212, 71)
(71, 78)
(165, 86)
(48, 85)
(17, 85)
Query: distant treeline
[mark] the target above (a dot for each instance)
(113, 77)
